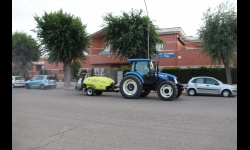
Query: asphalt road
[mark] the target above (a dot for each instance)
(60, 119)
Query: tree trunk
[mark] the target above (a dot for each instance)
(21, 70)
(67, 74)
(228, 73)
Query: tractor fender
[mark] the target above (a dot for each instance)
(88, 86)
(135, 74)
(160, 82)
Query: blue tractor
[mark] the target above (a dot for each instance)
(144, 77)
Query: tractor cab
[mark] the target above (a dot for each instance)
(146, 68)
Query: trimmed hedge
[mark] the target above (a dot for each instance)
(184, 75)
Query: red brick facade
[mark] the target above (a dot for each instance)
(183, 52)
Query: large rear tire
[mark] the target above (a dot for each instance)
(167, 90)
(131, 87)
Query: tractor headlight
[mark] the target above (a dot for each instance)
(175, 81)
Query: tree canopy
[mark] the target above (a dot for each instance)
(64, 39)
(127, 35)
(219, 35)
(25, 50)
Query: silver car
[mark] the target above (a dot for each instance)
(209, 86)
(17, 81)
(41, 81)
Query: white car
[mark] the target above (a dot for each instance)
(209, 86)
(17, 81)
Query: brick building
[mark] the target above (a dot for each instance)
(178, 50)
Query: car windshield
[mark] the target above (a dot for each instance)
(19, 78)
(50, 78)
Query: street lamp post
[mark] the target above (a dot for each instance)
(148, 28)
(43, 69)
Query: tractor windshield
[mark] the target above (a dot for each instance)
(144, 66)
(141, 67)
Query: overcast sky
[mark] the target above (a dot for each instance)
(186, 14)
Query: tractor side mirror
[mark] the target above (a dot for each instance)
(148, 65)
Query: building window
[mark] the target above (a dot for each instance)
(102, 71)
(82, 69)
(86, 53)
(96, 70)
(159, 47)
(194, 67)
(183, 67)
(105, 51)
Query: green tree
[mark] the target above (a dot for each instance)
(64, 38)
(127, 35)
(24, 50)
(219, 35)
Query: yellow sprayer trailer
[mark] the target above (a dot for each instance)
(96, 85)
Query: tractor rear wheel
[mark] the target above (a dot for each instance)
(167, 90)
(131, 87)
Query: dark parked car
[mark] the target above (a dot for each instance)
(41, 81)
(209, 86)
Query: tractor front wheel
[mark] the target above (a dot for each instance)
(167, 90)
(131, 87)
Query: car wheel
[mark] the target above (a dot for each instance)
(131, 87)
(13, 86)
(27, 86)
(226, 93)
(167, 90)
(42, 87)
(90, 91)
(191, 92)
